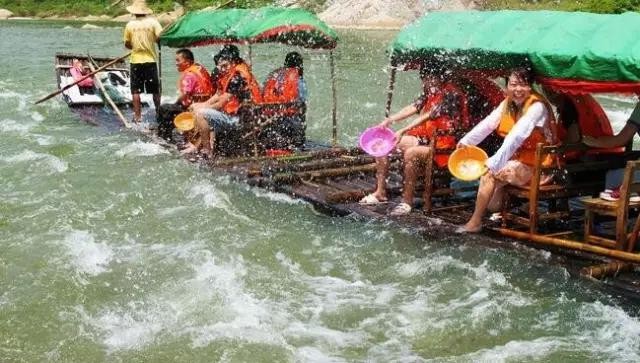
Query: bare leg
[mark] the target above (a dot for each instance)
(495, 204)
(382, 167)
(382, 173)
(485, 192)
(135, 100)
(413, 157)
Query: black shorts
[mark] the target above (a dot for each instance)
(144, 78)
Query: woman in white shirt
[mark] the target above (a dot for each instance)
(524, 119)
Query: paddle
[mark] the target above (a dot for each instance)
(106, 95)
(82, 79)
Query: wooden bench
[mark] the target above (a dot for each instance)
(557, 192)
(618, 209)
(255, 119)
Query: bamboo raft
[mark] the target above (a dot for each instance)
(334, 179)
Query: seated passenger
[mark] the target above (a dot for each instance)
(568, 117)
(197, 137)
(194, 85)
(236, 85)
(524, 119)
(624, 137)
(78, 71)
(439, 107)
(286, 85)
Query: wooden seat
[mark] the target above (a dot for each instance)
(256, 118)
(556, 193)
(618, 209)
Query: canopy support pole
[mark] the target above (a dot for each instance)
(250, 56)
(334, 98)
(392, 82)
(159, 71)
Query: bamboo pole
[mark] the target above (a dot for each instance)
(573, 245)
(159, 70)
(296, 157)
(107, 97)
(604, 270)
(323, 163)
(323, 173)
(392, 81)
(633, 237)
(334, 97)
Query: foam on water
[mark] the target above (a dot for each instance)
(55, 164)
(87, 256)
(141, 148)
(535, 349)
(314, 355)
(20, 127)
(617, 334)
(276, 197)
(213, 197)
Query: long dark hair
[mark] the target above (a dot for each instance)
(294, 60)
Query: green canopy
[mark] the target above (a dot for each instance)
(269, 24)
(581, 46)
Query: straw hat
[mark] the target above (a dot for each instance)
(139, 7)
(185, 121)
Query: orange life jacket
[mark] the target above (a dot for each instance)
(443, 123)
(281, 86)
(527, 152)
(231, 107)
(204, 86)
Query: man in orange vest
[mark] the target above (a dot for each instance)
(235, 85)
(439, 107)
(194, 85)
(523, 119)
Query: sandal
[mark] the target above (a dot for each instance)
(401, 210)
(371, 199)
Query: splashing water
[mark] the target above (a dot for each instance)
(116, 249)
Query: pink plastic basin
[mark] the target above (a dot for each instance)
(377, 141)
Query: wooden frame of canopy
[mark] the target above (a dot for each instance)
(571, 54)
(295, 27)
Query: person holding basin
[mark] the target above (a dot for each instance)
(523, 119)
(439, 107)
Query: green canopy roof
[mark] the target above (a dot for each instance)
(584, 46)
(269, 24)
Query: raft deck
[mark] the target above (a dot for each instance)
(334, 179)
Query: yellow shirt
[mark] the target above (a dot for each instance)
(143, 33)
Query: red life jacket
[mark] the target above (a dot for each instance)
(592, 121)
(204, 86)
(444, 123)
(231, 107)
(281, 86)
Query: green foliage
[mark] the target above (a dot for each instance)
(98, 7)
(595, 6)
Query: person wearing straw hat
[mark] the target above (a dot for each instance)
(524, 119)
(141, 35)
(197, 134)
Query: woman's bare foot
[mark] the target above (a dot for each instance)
(469, 228)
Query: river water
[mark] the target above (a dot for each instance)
(115, 249)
